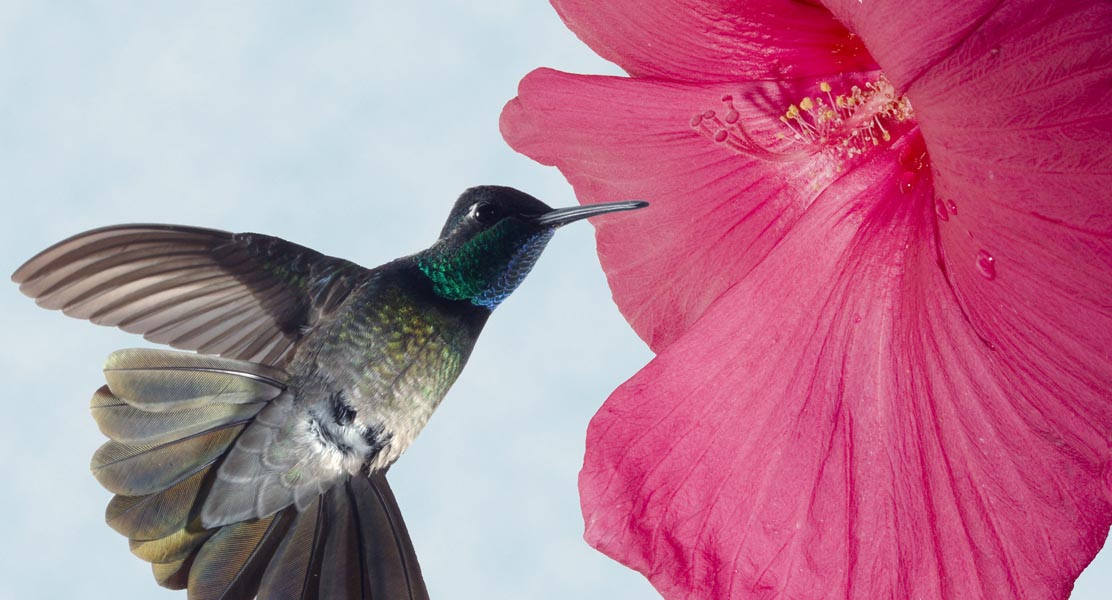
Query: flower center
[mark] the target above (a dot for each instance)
(848, 124)
(844, 125)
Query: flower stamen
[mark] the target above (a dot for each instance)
(844, 125)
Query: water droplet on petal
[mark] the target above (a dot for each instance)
(907, 181)
(696, 120)
(986, 264)
(709, 114)
(731, 117)
(856, 318)
(940, 210)
(727, 98)
(721, 135)
(953, 208)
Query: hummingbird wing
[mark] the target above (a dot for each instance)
(172, 419)
(244, 296)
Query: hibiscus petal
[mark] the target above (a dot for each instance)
(715, 214)
(714, 40)
(907, 38)
(834, 428)
(1018, 122)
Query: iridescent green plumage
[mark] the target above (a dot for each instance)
(485, 269)
(261, 470)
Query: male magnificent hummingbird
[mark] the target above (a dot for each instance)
(255, 465)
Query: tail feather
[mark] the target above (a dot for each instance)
(341, 567)
(296, 562)
(348, 544)
(231, 563)
(390, 567)
(172, 419)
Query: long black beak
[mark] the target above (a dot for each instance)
(563, 216)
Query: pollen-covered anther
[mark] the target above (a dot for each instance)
(812, 121)
(847, 124)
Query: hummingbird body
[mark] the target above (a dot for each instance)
(384, 363)
(256, 466)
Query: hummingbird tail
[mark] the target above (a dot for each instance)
(172, 418)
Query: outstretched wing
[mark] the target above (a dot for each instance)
(245, 296)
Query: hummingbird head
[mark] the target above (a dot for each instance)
(493, 237)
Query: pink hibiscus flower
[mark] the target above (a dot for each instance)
(877, 274)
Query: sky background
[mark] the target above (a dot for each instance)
(349, 128)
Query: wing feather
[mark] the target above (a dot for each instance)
(242, 296)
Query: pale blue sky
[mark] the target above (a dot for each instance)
(347, 127)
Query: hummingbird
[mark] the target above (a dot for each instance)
(251, 461)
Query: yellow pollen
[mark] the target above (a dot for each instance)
(847, 124)
(843, 125)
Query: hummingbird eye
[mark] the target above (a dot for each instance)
(485, 213)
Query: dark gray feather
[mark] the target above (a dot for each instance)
(389, 560)
(192, 287)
